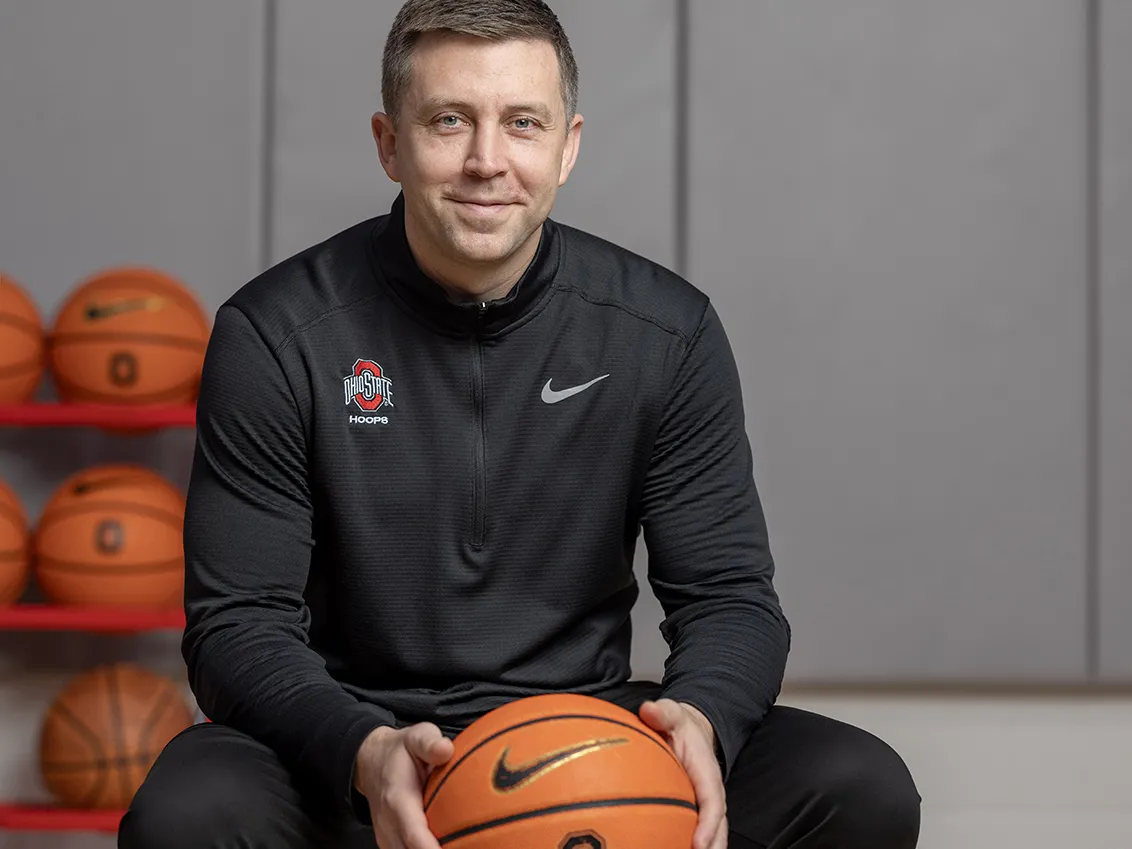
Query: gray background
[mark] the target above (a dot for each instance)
(915, 219)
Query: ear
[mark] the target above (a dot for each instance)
(385, 137)
(570, 151)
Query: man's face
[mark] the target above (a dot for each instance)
(481, 145)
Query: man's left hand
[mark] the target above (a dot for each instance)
(693, 740)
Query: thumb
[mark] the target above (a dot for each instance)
(662, 715)
(426, 743)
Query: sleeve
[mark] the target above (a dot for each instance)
(248, 542)
(709, 558)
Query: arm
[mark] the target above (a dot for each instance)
(248, 541)
(709, 560)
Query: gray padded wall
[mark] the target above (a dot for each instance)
(888, 206)
(1116, 342)
(327, 175)
(129, 133)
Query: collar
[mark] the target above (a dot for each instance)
(398, 269)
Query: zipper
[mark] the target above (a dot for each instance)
(479, 449)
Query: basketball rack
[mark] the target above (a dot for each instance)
(45, 414)
(15, 816)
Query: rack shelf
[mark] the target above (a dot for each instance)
(47, 818)
(48, 617)
(43, 414)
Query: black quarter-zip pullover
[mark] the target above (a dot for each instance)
(403, 508)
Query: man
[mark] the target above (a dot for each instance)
(425, 450)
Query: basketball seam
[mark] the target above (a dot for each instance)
(21, 323)
(665, 801)
(60, 513)
(90, 394)
(527, 722)
(119, 731)
(12, 512)
(127, 336)
(19, 368)
(116, 568)
(96, 744)
(149, 724)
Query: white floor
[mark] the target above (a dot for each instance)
(995, 772)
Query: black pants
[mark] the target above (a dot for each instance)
(802, 781)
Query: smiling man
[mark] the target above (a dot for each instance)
(425, 450)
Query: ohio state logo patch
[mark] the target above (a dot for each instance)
(368, 387)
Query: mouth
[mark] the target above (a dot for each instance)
(481, 208)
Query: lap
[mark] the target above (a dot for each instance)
(214, 787)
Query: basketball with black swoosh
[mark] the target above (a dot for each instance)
(561, 771)
(110, 535)
(129, 336)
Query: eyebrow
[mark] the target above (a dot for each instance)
(441, 104)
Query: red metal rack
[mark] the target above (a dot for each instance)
(45, 818)
(15, 816)
(106, 620)
(98, 415)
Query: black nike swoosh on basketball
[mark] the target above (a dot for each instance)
(507, 778)
(94, 312)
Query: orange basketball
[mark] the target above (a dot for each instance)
(103, 732)
(561, 771)
(15, 546)
(129, 336)
(111, 536)
(22, 344)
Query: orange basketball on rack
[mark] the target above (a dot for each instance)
(103, 732)
(110, 535)
(15, 546)
(129, 336)
(565, 772)
(22, 344)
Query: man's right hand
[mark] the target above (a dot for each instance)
(390, 771)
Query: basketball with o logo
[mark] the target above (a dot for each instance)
(22, 344)
(110, 535)
(15, 546)
(104, 730)
(561, 771)
(129, 336)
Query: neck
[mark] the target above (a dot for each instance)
(471, 281)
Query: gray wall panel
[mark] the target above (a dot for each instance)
(888, 206)
(130, 133)
(1116, 342)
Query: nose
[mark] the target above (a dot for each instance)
(487, 157)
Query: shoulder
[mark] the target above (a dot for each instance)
(327, 277)
(600, 271)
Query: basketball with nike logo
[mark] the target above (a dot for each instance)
(561, 771)
(129, 336)
(111, 536)
(22, 344)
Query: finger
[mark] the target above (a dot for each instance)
(703, 771)
(720, 841)
(414, 831)
(426, 743)
(662, 715)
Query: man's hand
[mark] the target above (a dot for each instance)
(390, 771)
(693, 740)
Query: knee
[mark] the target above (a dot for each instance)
(867, 793)
(209, 789)
(178, 816)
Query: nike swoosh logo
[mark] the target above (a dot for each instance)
(551, 396)
(94, 312)
(507, 778)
